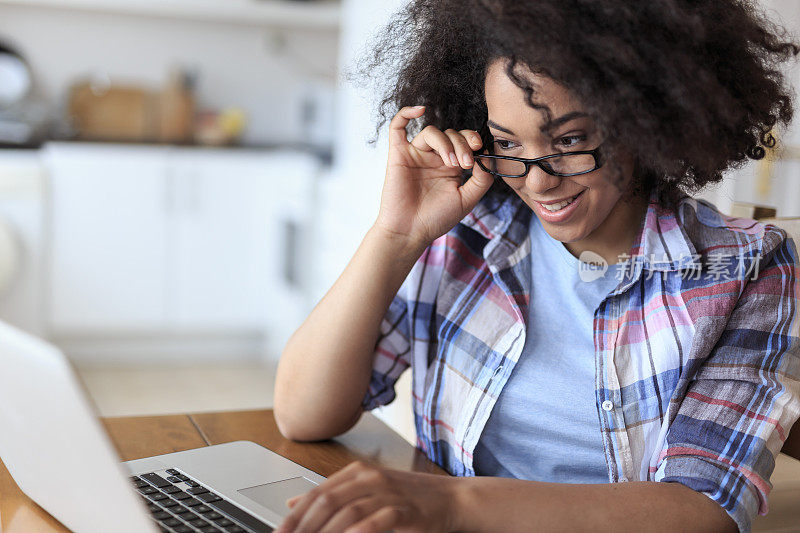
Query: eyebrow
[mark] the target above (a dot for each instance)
(549, 126)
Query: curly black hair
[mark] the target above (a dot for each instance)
(691, 87)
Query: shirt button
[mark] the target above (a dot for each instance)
(608, 405)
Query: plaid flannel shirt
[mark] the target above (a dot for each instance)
(697, 350)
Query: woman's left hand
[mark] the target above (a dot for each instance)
(368, 499)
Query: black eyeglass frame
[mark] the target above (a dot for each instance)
(488, 140)
(538, 162)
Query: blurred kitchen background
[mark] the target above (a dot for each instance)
(181, 181)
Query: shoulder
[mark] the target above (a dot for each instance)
(713, 232)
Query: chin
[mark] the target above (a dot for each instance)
(564, 234)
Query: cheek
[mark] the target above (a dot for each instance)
(600, 204)
(515, 184)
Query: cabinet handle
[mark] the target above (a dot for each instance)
(291, 259)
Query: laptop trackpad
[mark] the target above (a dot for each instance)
(273, 495)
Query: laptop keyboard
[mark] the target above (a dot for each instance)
(179, 504)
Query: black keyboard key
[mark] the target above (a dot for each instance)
(180, 495)
(240, 516)
(139, 483)
(168, 503)
(197, 490)
(235, 529)
(203, 509)
(172, 522)
(222, 521)
(156, 480)
(210, 529)
(184, 529)
(157, 497)
(161, 515)
(213, 515)
(153, 507)
(174, 479)
(148, 490)
(183, 478)
(197, 522)
(171, 489)
(180, 510)
(191, 483)
(208, 497)
(191, 502)
(172, 472)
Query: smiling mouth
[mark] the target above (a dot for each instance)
(561, 205)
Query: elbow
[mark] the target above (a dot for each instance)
(288, 422)
(289, 428)
(290, 431)
(303, 431)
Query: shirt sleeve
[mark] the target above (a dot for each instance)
(411, 309)
(745, 397)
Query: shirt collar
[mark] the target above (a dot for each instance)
(662, 243)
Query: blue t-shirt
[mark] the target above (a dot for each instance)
(544, 425)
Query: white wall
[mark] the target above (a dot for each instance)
(238, 65)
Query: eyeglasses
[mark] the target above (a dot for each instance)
(562, 164)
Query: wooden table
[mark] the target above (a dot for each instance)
(136, 437)
(370, 440)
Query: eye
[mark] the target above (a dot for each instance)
(499, 144)
(577, 138)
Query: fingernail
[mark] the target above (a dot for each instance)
(418, 107)
(454, 159)
(466, 159)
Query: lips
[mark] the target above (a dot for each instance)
(561, 200)
(560, 215)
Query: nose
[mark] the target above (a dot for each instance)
(540, 182)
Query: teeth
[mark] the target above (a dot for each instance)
(562, 205)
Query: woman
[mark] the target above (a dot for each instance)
(573, 322)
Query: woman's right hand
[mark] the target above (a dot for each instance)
(423, 196)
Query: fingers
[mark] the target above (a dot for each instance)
(328, 504)
(303, 505)
(473, 139)
(475, 187)
(454, 147)
(397, 127)
(461, 144)
(385, 519)
(354, 511)
(293, 500)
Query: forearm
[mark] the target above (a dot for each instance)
(499, 504)
(325, 367)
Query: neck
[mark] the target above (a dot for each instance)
(616, 234)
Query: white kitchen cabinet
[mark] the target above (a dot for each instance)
(178, 241)
(223, 233)
(238, 223)
(21, 218)
(108, 245)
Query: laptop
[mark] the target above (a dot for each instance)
(59, 454)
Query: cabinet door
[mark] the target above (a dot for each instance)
(235, 244)
(219, 279)
(108, 243)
